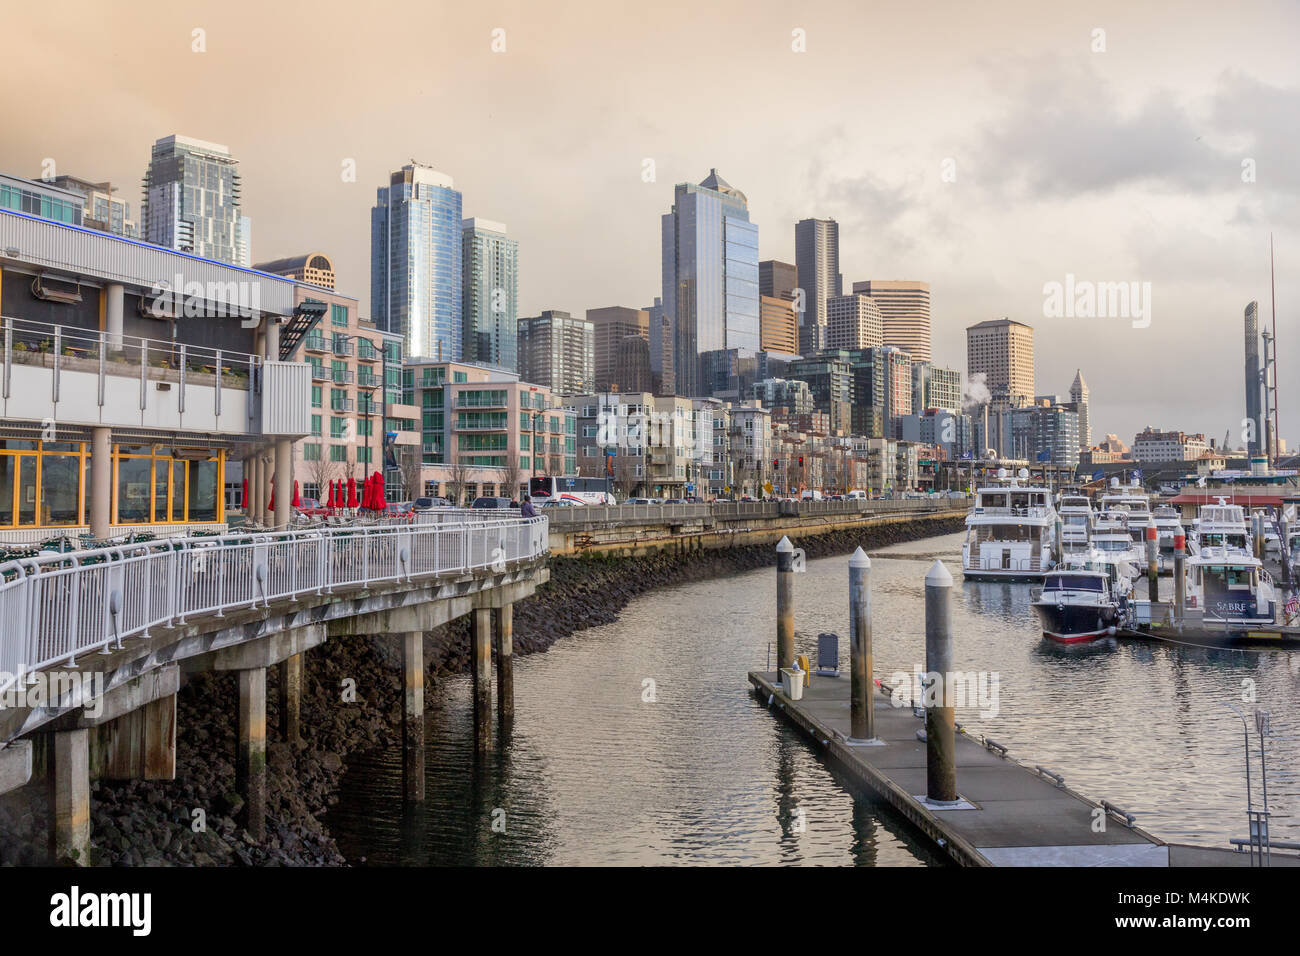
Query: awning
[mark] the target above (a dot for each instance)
(1245, 500)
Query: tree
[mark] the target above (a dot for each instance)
(511, 474)
(625, 477)
(410, 464)
(322, 471)
(458, 478)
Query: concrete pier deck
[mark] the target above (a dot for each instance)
(1011, 816)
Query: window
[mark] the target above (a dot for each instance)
(315, 425)
(339, 315)
(338, 452)
(316, 391)
(338, 428)
(311, 451)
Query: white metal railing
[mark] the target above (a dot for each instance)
(58, 606)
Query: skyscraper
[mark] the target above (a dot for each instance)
(853, 322)
(415, 262)
(191, 199)
(1079, 398)
(1000, 352)
(490, 294)
(905, 308)
(710, 276)
(1254, 383)
(661, 349)
(558, 351)
(817, 261)
(778, 279)
(611, 326)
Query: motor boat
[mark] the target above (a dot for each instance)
(1009, 531)
(1076, 604)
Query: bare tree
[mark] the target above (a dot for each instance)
(322, 471)
(510, 474)
(410, 464)
(459, 472)
(625, 477)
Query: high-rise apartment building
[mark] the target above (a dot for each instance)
(1002, 351)
(490, 294)
(557, 351)
(611, 325)
(905, 309)
(415, 262)
(191, 199)
(710, 276)
(817, 261)
(661, 348)
(853, 322)
(1079, 398)
(935, 387)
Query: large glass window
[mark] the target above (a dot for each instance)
(153, 487)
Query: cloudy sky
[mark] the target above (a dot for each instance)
(1117, 142)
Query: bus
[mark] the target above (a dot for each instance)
(572, 488)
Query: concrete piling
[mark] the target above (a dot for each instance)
(1285, 529)
(784, 604)
(413, 716)
(482, 671)
(940, 746)
(69, 789)
(1153, 561)
(505, 630)
(861, 664)
(291, 698)
(250, 762)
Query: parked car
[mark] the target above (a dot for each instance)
(562, 503)
(675, 501)
(487, 502)
(397, 509)
(428, 504)
(641, 501)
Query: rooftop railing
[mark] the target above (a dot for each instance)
(57, 607)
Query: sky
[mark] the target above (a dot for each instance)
(989, 149)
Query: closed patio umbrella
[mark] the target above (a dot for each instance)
(297, 502)
(245, 498)
(352, 492)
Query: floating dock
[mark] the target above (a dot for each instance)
(1008, 815)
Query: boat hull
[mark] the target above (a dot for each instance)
(1072, 623)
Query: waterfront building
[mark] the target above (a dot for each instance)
(416, 249)
(657, 446)
(351, 417)
(36, 198)
(191, 199)
(853, 322)
(490, 294)
(189, 383)
(484, 431)
(905, 312)
(749, 442)
(558, 351)
(817, 261)
(610, 326)
(710, 276)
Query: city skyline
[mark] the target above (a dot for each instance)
(1097, 170)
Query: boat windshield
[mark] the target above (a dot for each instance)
(1072, 582)
(1113, 545)
(1076, 519)
(1224, 541)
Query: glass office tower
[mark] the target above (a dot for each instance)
(710, 276)
(490, 290)
(415, 262)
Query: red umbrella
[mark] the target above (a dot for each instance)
(247, 503)
(367, 494)
(271, 504)
(329, 497)
(352, 492)
(379, 489)
(297, 502)
(376, 503)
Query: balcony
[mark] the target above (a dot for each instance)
(342, 376)
(315, 342)
(319, 373)
(367, 379)
(342, 405)
(366, 352)
(343, 347)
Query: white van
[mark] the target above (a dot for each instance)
(811, 495)
(857, 495)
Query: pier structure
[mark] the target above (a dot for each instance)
(109, 635)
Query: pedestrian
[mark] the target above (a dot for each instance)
(526, 509)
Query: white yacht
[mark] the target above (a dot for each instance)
(1222, 526)
(1076, 521)
(1135, 503)
(1076, 605)
(1231, 587)
(1009, 531)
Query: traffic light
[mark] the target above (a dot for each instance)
(801, 461)
(776, 464)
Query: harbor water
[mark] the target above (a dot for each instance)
(639, 743)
